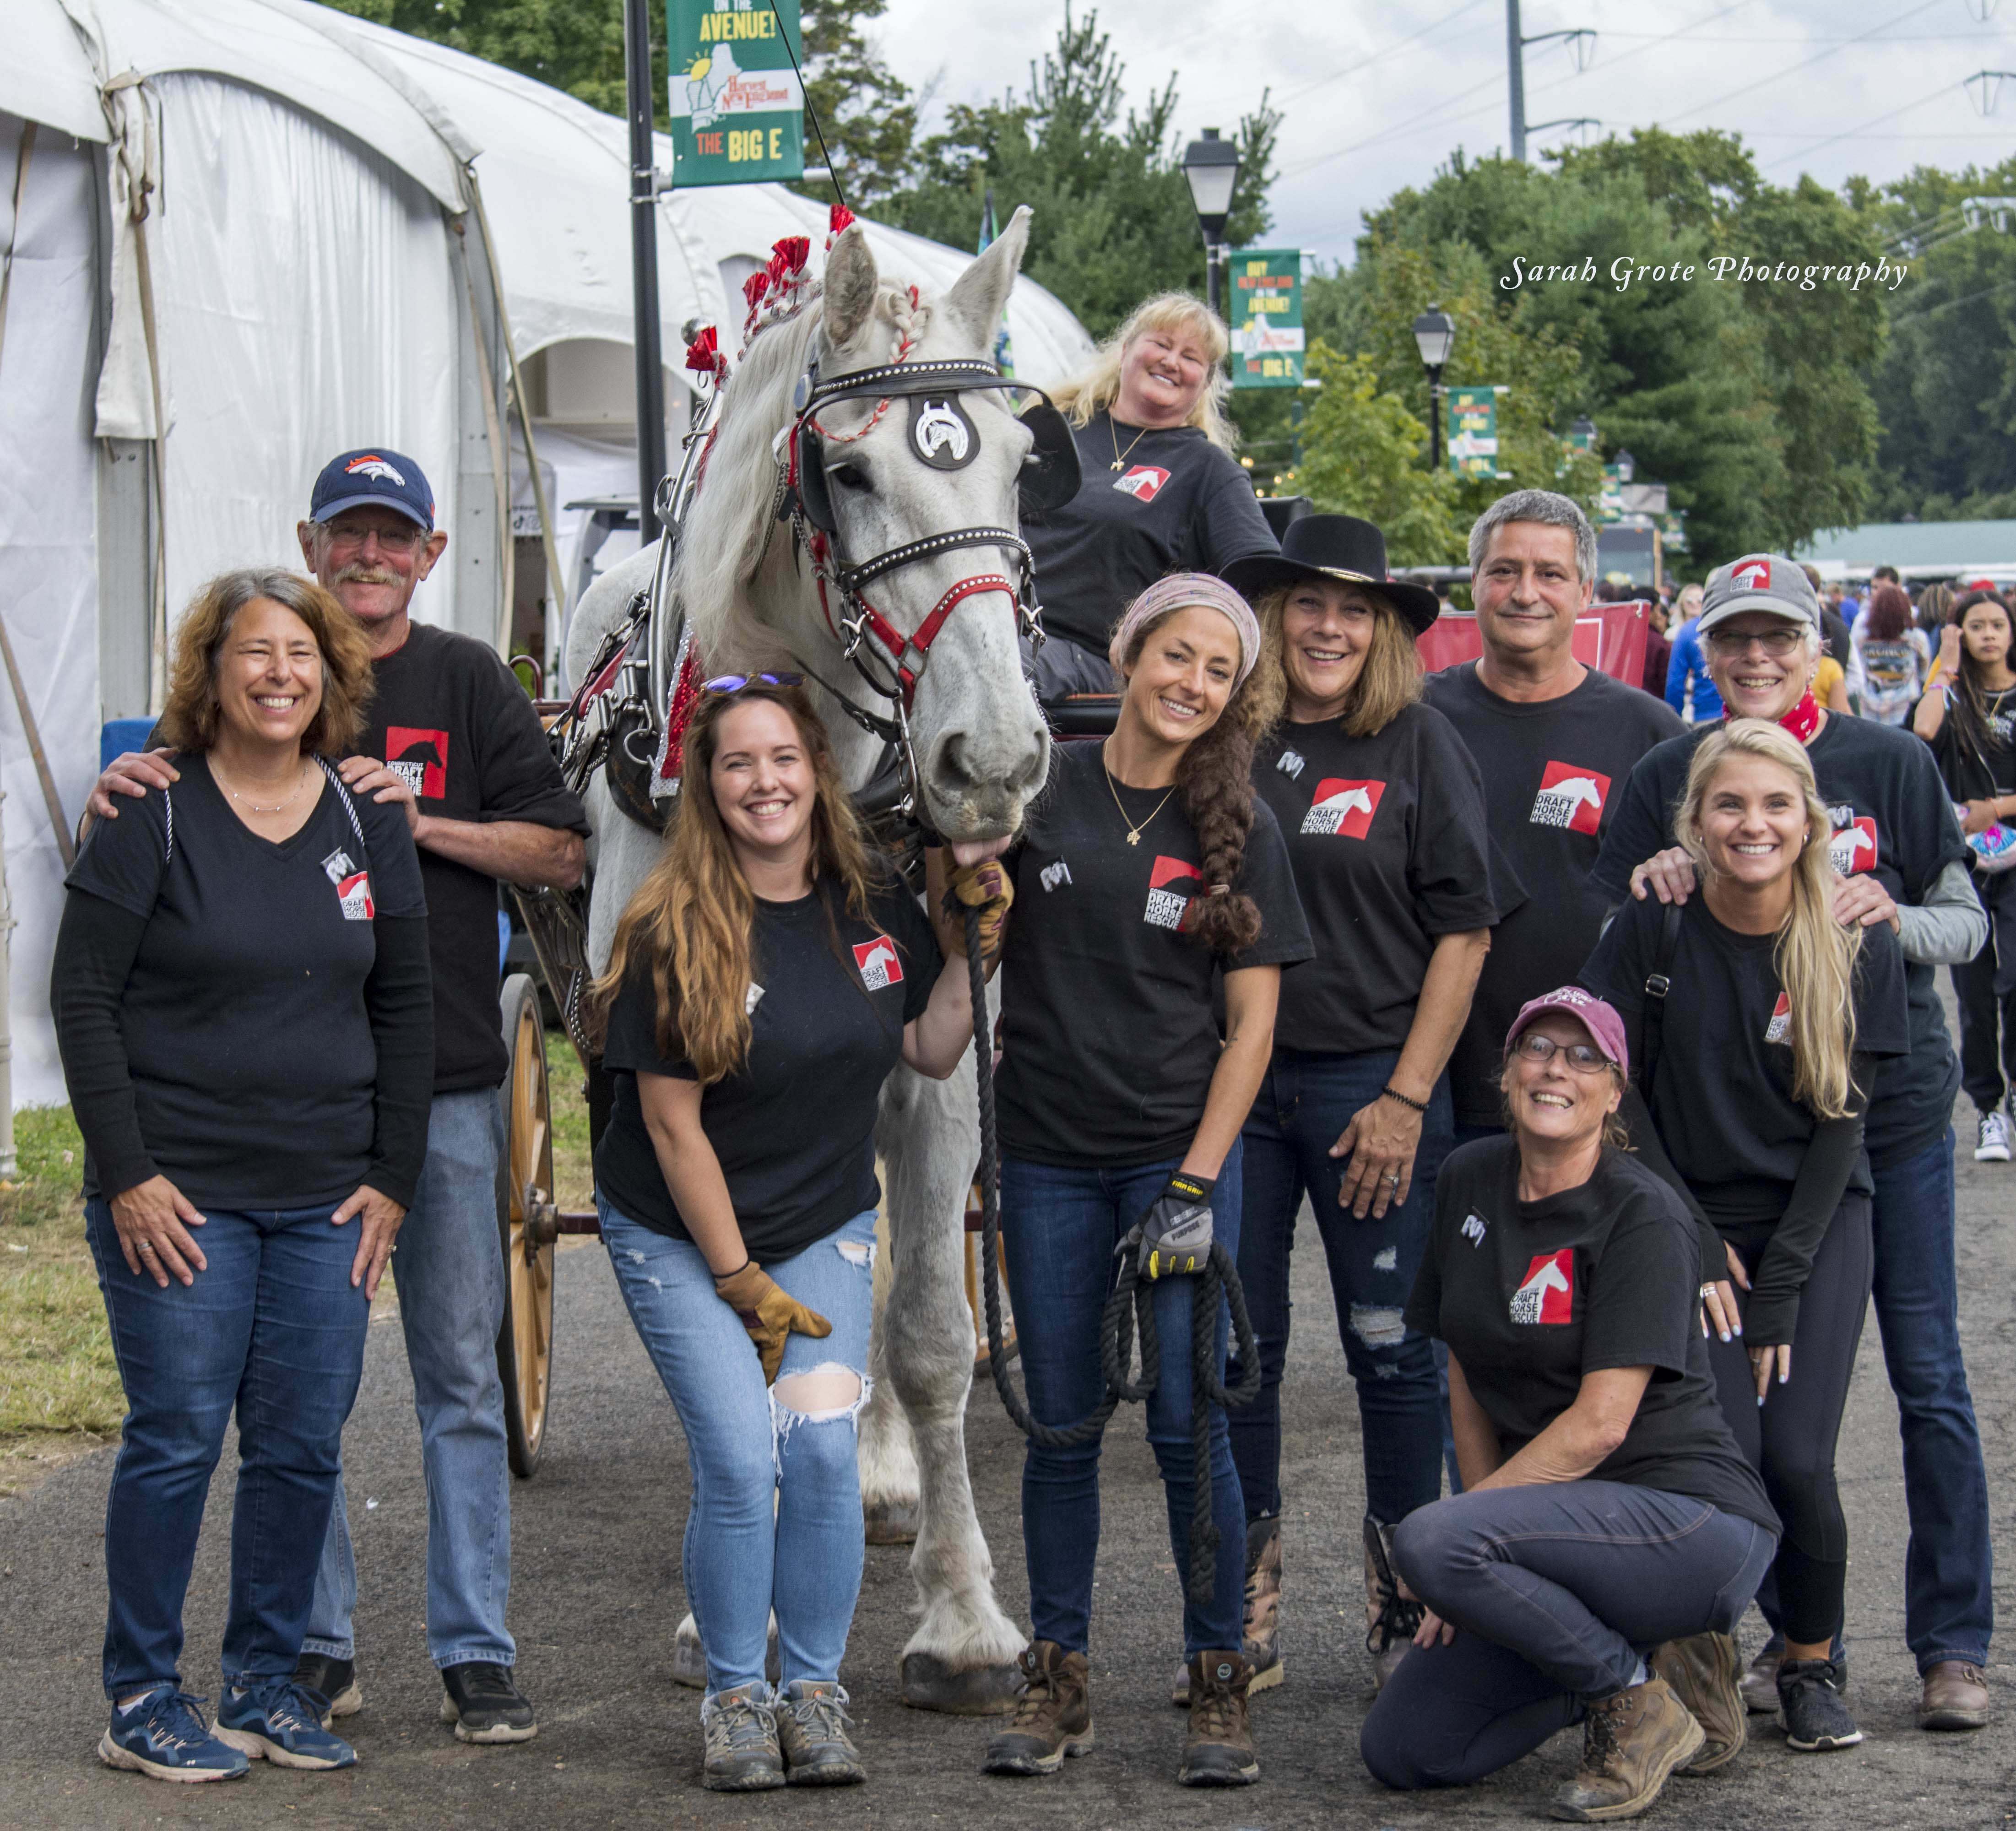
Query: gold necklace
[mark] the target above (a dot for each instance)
(300, 782)
(1119, 456)
(1133, 832)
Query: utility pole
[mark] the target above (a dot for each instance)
(644, 265)
(1515, 57)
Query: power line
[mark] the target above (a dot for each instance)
(1489, 82)
(1400, 44)
(1804, 63)
(1860, 131)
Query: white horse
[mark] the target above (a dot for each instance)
(982, 750)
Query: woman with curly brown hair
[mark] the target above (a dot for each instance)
(1148, 874)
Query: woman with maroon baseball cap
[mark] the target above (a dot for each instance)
(1608, 1525)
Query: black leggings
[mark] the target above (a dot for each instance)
(1790, 1439)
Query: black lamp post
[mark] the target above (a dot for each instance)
(1627, 467)
(1211, 168)
(1435, 333)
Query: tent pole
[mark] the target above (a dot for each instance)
(644, 267)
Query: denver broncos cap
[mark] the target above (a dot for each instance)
(1760, 581)
(1605, 1027)
(378, 476)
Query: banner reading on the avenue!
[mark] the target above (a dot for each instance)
(737, 108)
(1473, 431)
(1266, 312)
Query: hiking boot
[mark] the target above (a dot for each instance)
(812, 1725)
(161, 1734)
(1816, 1721)
(277, 1722)
(484, 1702)
(333, 1680)
(1052, 1718)
(738, 1727)
(1218, 1750)
(1262, 1630)
(1992, 1138)
(1631, 1741)
(1390, 1622)
(1956, 1696)
(1705, 1672)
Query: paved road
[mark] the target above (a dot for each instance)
(597, 1595)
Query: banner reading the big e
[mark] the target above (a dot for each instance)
(737, 108)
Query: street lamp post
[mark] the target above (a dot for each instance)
(1435, 332)
(1211, 168)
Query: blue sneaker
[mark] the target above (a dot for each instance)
(163, 1736)
(280, 1722)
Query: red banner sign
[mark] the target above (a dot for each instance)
(1610, 637)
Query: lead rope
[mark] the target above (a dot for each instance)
(1129, 1311)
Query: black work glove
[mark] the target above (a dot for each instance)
(1175, 1232)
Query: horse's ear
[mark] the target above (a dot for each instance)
(849, 295)
(981, 293)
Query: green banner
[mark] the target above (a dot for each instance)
(737, 109)
(1265, 307)
(1473, 432)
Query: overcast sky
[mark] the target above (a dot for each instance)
(1377, 93)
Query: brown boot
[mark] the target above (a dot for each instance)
(1218, 1749)
(1053, 1718)
(1262, 1631)
(1705, 1672)
(1391, 1623)
(1956, 1697)
(1631, 1741)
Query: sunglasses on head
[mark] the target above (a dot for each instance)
(724, 684)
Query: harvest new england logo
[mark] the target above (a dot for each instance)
(1166, 905)
(878, 962)
(1345, 808)
(1571, 797)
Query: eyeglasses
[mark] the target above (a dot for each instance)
(1777, 643)
(405, 539)
(726, 684)
(1583, 1058)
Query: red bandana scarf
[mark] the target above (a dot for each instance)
(1802, 721)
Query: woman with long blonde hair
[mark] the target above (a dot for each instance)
(1763, 1045)
(764, 980)
(1161, 492)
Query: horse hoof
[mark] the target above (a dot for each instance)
(689, 1660)
(929, 1684)
(890, 1522)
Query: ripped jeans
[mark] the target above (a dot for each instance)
(776, 1517)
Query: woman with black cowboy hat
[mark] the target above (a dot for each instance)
(1383, 809)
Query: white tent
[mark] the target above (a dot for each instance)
(240, 236)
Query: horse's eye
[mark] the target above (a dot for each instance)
(850, 474)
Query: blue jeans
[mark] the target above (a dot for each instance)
(775, 1521)
(1060, 1227)
(1303, 1107)
(273, 1330)
(448, 1270)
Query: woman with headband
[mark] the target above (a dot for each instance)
(1147, 873)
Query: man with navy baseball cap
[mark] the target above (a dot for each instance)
(455, 741)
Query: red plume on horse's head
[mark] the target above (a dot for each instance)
(788, 256)
(704, 353)
(753, 289)
(839, 220)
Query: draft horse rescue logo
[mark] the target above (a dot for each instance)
(1571, 797)
(878, 963)
(1171, 884)
(1546, 1294)
(1143, 483)
(1344, 808)
(420, 757)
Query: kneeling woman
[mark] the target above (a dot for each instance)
(1757, 1097)
(1146, 871)
(765, 980)
(1606, 1510)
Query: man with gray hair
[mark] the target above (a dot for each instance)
(1552, 738)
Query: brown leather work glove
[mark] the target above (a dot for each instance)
(769, 1312)
(985, 887)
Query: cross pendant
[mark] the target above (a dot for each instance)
(1133, 838)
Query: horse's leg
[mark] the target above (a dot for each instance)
(888, 1453)
(961, 1658)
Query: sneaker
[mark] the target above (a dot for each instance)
(1052, 1718)
(812, 1725)
(1992, 1138)
(1218, 1750)
(1955, 1696)
(1391, 1623)
(277, 1722)
(739, 1728)
(1262, 1631)
(1816, 1721)
(1631, 1741)
(484, 1702)
(333, 1681)
(162, 1736)
(1705, 1672)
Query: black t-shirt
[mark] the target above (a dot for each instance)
(1982, 765)
(244, 1021)
(1386, 835)
(1108, 1035)
(794, 1126)
(1723, 1101)
(1531, 1296)
(1177, 504)
(451, 718)
(1552, 770)
(1892, 816)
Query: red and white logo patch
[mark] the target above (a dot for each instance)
(421, 756)
(1345, 808)
(878, 962)
(1143, 483)
(1780, 1026)
(354, 892)
(1853, 847)
(1753, 575)
(1171, 884)
(1547, 1294)
(1570, 796)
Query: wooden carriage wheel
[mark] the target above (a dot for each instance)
(527, 1224)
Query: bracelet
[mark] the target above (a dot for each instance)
(722, 1277)
(1391, 1092)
